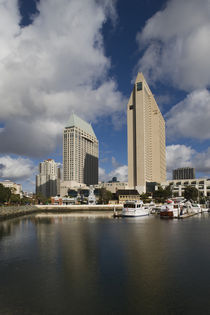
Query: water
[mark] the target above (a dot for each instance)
(100, 265)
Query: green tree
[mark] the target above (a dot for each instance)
(41, 199)
(190, 193)
(26, 201)
(15, 199)
(104, 196)
(162, 194)
(5, 194)
(145, 197)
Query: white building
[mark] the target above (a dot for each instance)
(80, 152)
(15, 188)
(178, 186)
(48, 179)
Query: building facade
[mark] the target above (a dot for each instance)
(48, 179)
(146, 138)
(80, 152)
(184, 173)
(15, 188)
(178, 186)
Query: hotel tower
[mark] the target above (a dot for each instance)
(80, 152)
(146, 138)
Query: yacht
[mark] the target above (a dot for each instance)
(134, 209)
(170, 209)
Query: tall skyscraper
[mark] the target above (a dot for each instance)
(184, 173)
(80, 152)
(48, 179)
(146, 137)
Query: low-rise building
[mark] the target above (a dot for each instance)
(112, 186)
(15, 188)
(66, 186)
(127, 195)
(178, 186)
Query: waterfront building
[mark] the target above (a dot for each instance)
(15, 188)
(66, 186)
(48, 179)
(127, 195)
(184, 173)
(113, 186)
(80, 152)
(178, 186)
(146, 137)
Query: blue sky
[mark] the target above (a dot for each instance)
(59, 56)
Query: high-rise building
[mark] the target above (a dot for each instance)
(48, 179)
(80, 152)
(146, 137)
(184, 173)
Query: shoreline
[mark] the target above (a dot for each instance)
(11, 212)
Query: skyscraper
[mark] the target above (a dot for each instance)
(48, 179)
(184, 173)
(80, 152)
(146, 137)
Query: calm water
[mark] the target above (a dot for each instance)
(100, 265)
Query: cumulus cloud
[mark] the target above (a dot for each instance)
(191, 117)
(176, 46)
(16, 168)
(121, 172)
(49, 68)
(183, 156)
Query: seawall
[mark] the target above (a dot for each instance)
(10, 212)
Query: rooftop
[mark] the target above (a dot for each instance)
(75, 121)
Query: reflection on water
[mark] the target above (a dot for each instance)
(91, 264)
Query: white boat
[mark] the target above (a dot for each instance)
(169, 210)
(193, 207)
(134, 209)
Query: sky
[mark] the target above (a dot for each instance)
(83, 56)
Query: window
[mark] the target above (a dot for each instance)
(139, 86)
(131, 106)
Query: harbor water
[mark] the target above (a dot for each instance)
(95, 264)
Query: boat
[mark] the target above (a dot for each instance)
(170, 209)
(134, 209)
(174, 210)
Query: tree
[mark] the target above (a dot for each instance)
(15, 199)
(104, 195)
(26, 201)
(190, 193)
(5, 194)
(162, 194)
(41, 199)
(145, 197)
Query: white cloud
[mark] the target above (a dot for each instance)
(191, 117)
(183, 156)
(16, 168)
(121, 172)
(51, 67)
(176, 45)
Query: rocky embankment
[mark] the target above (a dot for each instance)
(9, 212)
